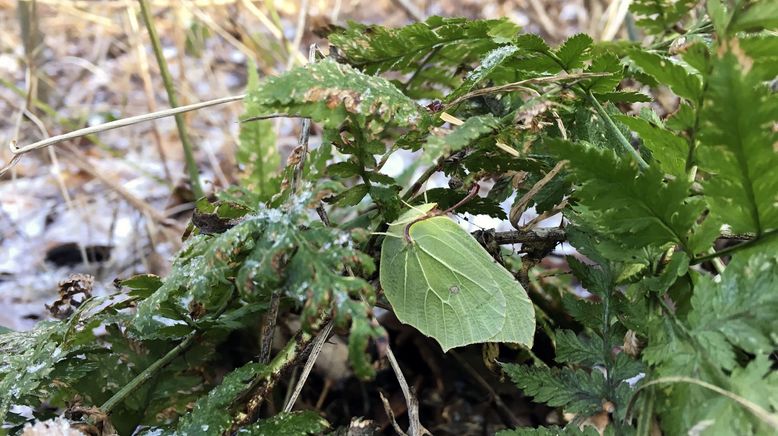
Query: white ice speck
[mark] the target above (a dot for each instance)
(35, 368)
(634, 380)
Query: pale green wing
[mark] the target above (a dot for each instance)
(448, 287)
(519, 327)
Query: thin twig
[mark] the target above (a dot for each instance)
(318, 345)
(143, 69)
(167, 80)
(421, 66)
(518, 209)
(764, 237)
(472, 193)
(298, 36)
(411, 9)
(269, 116)
(169, 225)
(268, 328)
(263, 384)
(57, 170)
(390, 414)
(542, 17)
(429, 172)
(305, 132)
(415, 428)
(521, 236)
(124, 122)
(616, 13)
(522, 85)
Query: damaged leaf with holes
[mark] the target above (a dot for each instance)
(329, 92)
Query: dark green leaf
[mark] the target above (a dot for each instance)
(452, 40)
(302, 422)
(758, 15)
(667, 148)
(488, 64)
(681, 80)
(607, 64)
(462, 136)
(211, 413)
(641, 207)
(576, 391)
(574, 51)
(344, 169)
(352, 196)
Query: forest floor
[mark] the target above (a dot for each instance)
(94, 206)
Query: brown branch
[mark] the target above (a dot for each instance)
(520, 236)
(263, 384)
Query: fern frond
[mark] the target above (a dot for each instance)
(640, 207)
(329, 92)
(737, 144)
(376, 49)
(257, 147)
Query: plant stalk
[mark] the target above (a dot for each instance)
(616, 132)
(729, 250)
(148, 373)
(191, 165)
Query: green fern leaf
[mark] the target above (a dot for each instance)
(668, 149)
(576, 391)
(459, 138)
(608, 64)
(257, 147)
(211, 413)
(488, 64)
(658, 16)
(376, 49)
(273, 250)
(735, 314)
(737, 147)
(301, 422)
(640, 207)
(329, 92)
(26, 359)
(569, 430)
(571, 348)
(754, 17)
(623, 97)
(682, 80)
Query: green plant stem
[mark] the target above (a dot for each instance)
(729, 250)
(158, 365)
(604, 116)
(411, 192)
(615, 131)
(768, 418)
(167, 79)
(148, 373)
(421, 66)
(707, 363)
(257, 391)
